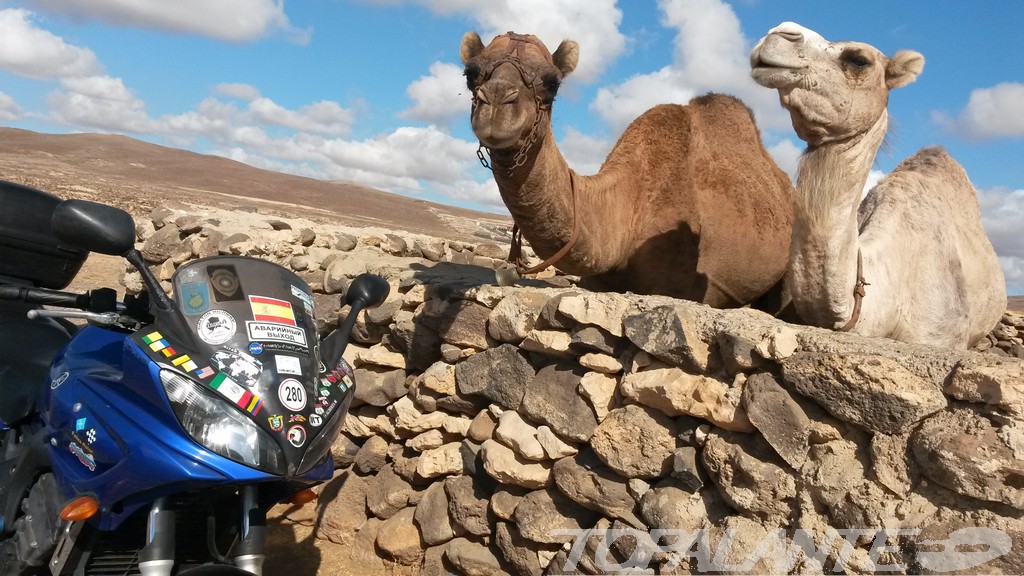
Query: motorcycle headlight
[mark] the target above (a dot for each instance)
(216, 425)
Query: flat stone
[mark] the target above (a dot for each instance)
(432, 516)
(599, 390)
(636, 442)
(371, 456)
(473, 558)
(441, 461)
(962, 450)
(521, 437)
(399, 538)
(747, 480)
(514, 317)
(675, 392)
(675, 332)
(587, 482)
(342, 506)
(990, 380)
(778, 417)
(388, 493)
(551, 398)
(542, 513)
(554, 447)
(468, 505)
(344, 451)
(872, 391)
(502, 464)
(500, 374)
(482, 427)
(519, 552)
(505, 499)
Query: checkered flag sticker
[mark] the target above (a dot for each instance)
(90, 436)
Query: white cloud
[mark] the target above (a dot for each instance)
(440, 97)
(994, 112)
(711, 55)
(27, 50)
(237, 90)
(1013, 271)
(324, 117)
(483, 193)
(710, 47)
(874, 177)
(231, 20)
(584, 154)
(9, 109)
(100, 102)
(787, 156)
(1002, 211)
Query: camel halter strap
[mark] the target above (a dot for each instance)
(858, 295)
(515, 251)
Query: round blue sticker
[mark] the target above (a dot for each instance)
(255, 348)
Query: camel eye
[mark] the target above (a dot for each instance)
(472, 74)
(551, 83)
(856, 60)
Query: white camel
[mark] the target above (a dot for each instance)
(912, 261)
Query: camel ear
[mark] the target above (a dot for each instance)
(471, 46)
(903, 68)
(567, 56)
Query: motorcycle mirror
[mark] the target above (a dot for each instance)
(94, 227)
(367, 290)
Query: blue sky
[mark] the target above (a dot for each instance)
(371, 91)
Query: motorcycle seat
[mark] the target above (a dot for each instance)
(27, 348)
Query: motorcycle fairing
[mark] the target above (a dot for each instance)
(255, 344)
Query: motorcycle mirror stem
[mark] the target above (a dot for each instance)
(366, 291)
(108, 230)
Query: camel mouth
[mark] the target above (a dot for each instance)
(762, 62)
(775, 74)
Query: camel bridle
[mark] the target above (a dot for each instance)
(514, 56)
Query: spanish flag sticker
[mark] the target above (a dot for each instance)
(271, 310)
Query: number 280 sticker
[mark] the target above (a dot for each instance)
(292, 394)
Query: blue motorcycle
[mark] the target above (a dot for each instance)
(151, 436)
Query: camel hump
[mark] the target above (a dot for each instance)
(936, 165)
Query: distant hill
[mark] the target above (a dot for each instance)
(137, 175)
(1015, 303)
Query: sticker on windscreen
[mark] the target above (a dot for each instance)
(216, 327)
(292, 394)
(243, 368)
(288, 365)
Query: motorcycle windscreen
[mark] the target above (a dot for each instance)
(257, 346)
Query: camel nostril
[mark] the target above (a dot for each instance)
(481, 96)
(791, 35)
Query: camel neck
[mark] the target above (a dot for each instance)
(823, 266)
(538, 194)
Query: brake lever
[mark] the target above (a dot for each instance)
(102, 318)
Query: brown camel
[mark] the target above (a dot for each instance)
(912, 261)
(687, 204)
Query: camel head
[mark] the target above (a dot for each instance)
(833, 90)
(513, 80)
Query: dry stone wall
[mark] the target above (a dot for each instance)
(546, 429)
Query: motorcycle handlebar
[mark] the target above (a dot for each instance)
(43, 296)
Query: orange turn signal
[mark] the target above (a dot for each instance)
(81, 508)
(302, 498)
